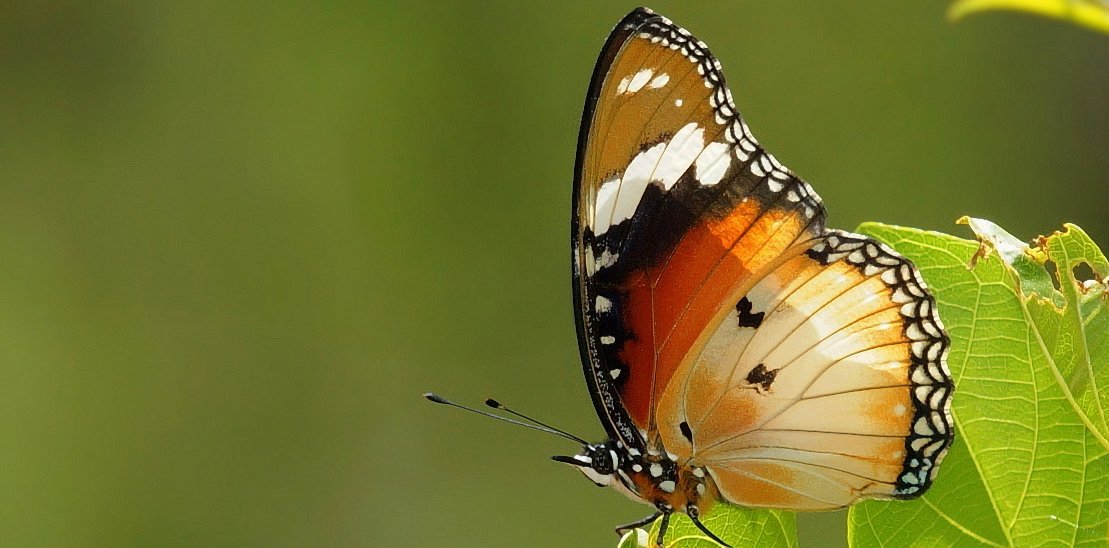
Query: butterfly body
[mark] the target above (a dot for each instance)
(651, 478)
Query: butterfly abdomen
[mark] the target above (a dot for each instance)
(665, 484)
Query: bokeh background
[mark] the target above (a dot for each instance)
(239, 240)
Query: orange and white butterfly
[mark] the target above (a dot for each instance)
(737, 351)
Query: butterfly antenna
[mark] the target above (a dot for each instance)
(436, 398)
(498, 405)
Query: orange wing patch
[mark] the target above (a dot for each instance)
(792, 485)
(713, 263)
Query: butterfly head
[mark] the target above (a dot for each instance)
(598, 462)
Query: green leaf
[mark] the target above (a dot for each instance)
(1064, 310)
(737, 526)
(1089, 13)
(1030, 465)
(1079, 333)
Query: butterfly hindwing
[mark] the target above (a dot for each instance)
(827, 383)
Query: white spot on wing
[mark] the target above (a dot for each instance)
(686, 145)
(602, 305)
(920, 376)
(757, 170)
(606, 259)
(678, 102)
(623, 87)
(618, 199)
(659, 81)
(639, 80)
(712, 164)
(606, 196)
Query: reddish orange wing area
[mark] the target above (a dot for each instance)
(824, 384)
(670, 305)
(678, 211)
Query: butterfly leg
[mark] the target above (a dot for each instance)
(662, 529)
(623, 529)
(694, 515)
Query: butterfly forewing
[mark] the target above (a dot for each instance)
(677, 209)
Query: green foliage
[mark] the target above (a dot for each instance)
(1088, 13)
(1029, 465)
(738, 526)
(1030, 344)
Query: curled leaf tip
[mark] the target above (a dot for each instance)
(994, 238)
(636, 538)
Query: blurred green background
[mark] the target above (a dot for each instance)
(238, 241)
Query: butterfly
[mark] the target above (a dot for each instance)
(736, 350)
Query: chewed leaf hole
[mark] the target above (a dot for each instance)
(1053, 271)
(1083, 272)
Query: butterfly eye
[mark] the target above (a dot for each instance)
(605, 460)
